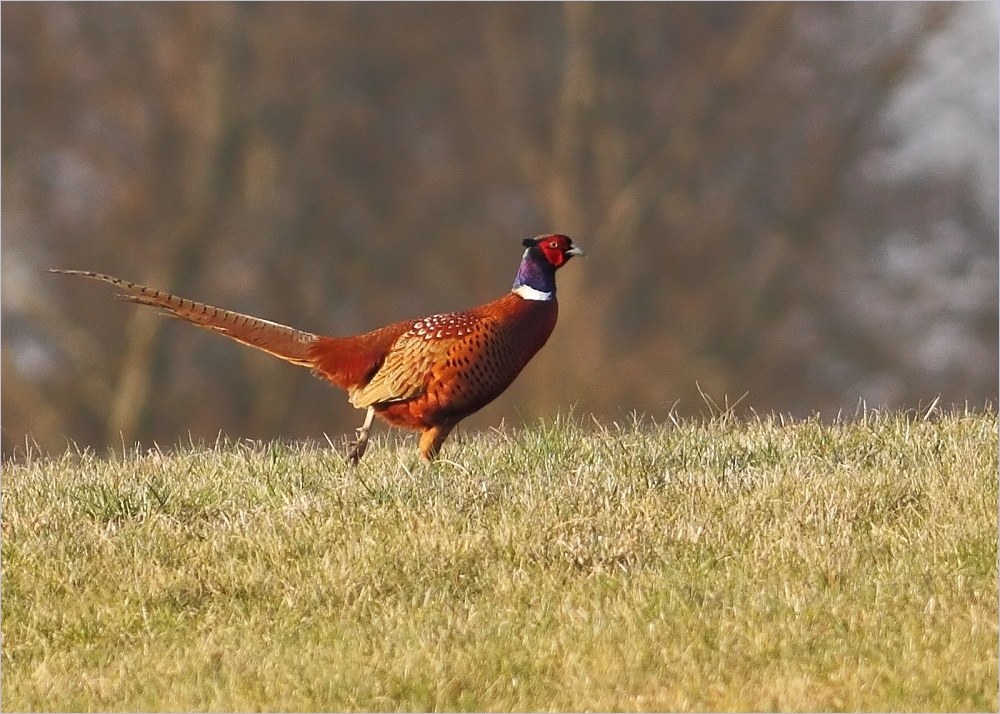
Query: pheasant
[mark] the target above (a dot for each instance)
(425, 374)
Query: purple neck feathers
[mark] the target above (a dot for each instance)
(536, 273)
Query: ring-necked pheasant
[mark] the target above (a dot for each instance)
(425, 374)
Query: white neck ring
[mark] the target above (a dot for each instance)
(529, 293)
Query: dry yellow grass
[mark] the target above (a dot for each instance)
(714, 564)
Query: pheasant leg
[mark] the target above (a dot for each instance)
(358, 447)
(432, 439)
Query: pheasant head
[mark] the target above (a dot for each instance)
(543, 255)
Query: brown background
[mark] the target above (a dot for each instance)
(798, 202)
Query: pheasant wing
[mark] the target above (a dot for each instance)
(405, 371)
(416, 356)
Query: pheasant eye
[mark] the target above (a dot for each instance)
(553, 245)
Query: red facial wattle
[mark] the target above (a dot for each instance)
(557, 249)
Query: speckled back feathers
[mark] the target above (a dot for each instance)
(454, 363)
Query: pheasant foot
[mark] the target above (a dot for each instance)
(359, 447)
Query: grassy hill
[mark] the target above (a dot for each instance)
(714, 564)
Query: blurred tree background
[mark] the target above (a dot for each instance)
(794, 201)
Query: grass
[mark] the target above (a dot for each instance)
(714, 564)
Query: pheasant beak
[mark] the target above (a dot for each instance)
(576, 250)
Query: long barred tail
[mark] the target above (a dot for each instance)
(281, 341)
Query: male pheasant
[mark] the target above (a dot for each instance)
(425, 374)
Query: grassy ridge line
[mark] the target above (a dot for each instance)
(713, 564)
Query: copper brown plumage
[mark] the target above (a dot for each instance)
(425, 374)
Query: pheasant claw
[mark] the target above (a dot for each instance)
(359, 447)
